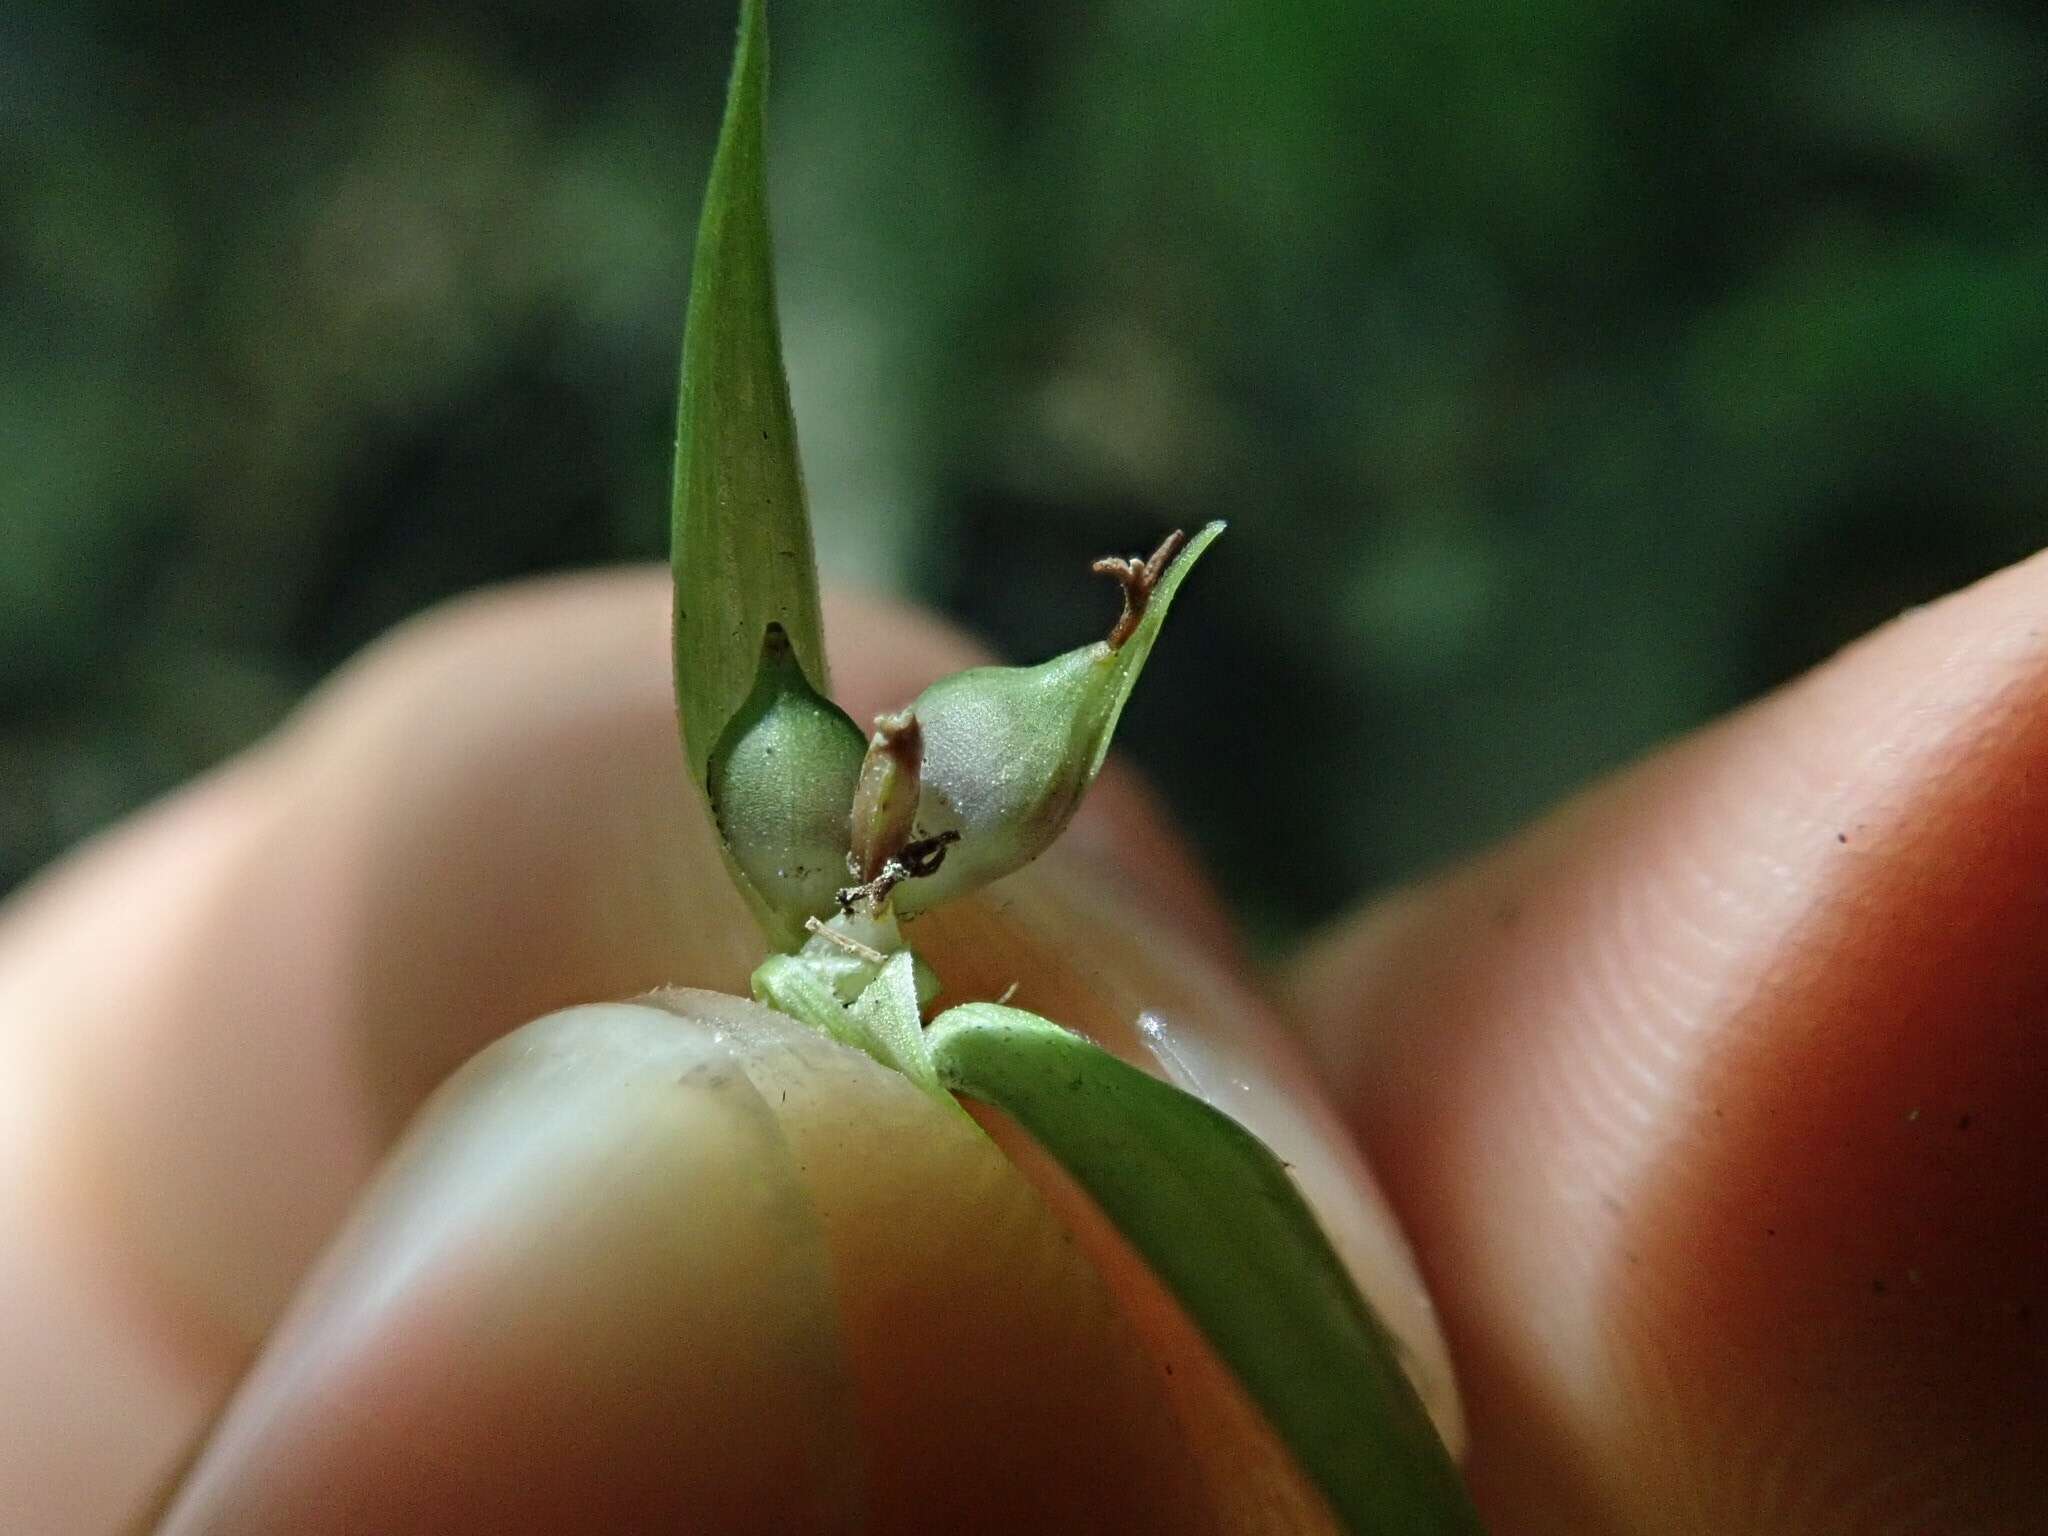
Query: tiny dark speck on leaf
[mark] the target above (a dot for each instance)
(1877, 1287)
(1841, 837)
(1962, 1122)
(1770, 1231)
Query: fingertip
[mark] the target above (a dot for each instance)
(1679, 1096)
(685, 1265)
(241, 997)
(548, 1316)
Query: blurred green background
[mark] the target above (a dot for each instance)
(1569, 372)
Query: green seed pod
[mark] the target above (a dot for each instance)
(780, 780)
(1009, 751)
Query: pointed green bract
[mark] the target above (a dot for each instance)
(885, 1020)
(793, 986)
(1129, 660)
(741, 537)
(887, 1013)
(1215, 1215)
(845, 969)
(1010, 751)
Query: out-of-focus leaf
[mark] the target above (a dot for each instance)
(1214, 1213)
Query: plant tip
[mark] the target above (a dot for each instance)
(1136, 578)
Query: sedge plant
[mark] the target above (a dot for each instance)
(839, 837)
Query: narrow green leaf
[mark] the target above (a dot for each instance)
(1216, 1216)
(741, 537)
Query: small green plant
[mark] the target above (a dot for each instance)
(837, 837)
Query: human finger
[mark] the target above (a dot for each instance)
(484, 820)
(1714, 1106)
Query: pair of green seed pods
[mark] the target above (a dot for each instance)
(973, 779)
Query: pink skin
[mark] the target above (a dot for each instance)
(1717, 1107)
(215, 1020)
(1719, 1140)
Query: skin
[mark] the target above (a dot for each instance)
(1711, 1105)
